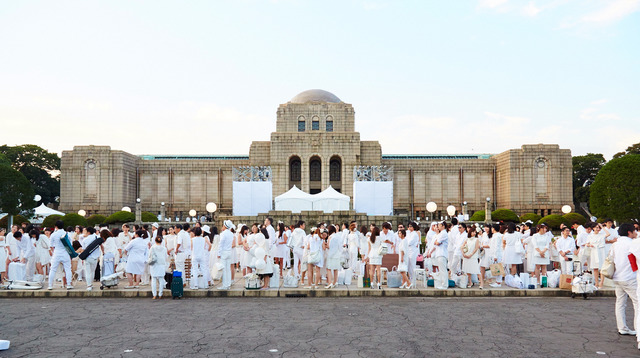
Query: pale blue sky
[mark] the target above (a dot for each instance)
(206, 77)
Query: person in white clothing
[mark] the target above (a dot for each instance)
(315, 259)
(333, 247)
(157, 265)
(453, 247)
(60, 255)
(566, 247)
(199, 250)
(298, 243)
(541, 252)
(582, 252)
(403, 258)
(413, 246)
(137, 252)
(224, 253)
(3, 255)
(438, 254)
(634, 249)
(624, 279)
(353, 245)
(91, 261)
(183, 248)
(596, 245)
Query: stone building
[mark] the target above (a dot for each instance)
(315, 145)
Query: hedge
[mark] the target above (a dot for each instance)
(17, 220)
(571, 217)
(554, 221)
(531, 216)
(148, 217)
(50, 221)
(120, 217)
(96, 219)
(505, 215)
(73, 219)
(477, 216)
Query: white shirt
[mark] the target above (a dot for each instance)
(85, 243)
(185, 242)
(582, 239)
(58, 249)
(452, 236)
(272, 233)
(226, 239)
(441, 250)
(566, 245)
(413, 243)
(298, 238)
(620, 253)
(123, 240)
(25, 247)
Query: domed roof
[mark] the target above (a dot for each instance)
(315, 95)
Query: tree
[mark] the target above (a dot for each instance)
(554, 221)
(17, 220)
(96, 219)
(615, 193)
(571, 217)
(585, 169)
(120, 217)
(634, 149)
(16, 193)
(505, 215)
(531, 216)
(39, 166)
(148, 217)
(50, 221)
(73, 219)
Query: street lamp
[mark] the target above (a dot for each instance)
(566, 209)
(37, 198)
(82, 212)
(464, 210)
(451, 210)
(431, 208)
(192, 212)
(138, 211)
(126, 208)
(162, 211)
(211, 208)
(487, 211)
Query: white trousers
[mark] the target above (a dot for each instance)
(626, 289)
(225, 258)
(441, 263)
(55, 262)
(297, 258)
(145, 277)
(354, 265)
(30, 267)
(454, 264)
(180, 259)
(157, 285)
(566, 266)
(412, 267)
(90, 269)
(198, 268)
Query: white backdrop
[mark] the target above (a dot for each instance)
(373, 197)
(251, 198)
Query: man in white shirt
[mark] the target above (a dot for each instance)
(183, 246)
(224, 253)
(566, 246)
(413, 245)
(581, 241)
(578, 228)
(91, 261)
(439, 252)
(453, 242)
(272, 232)
(60, 256)
(297, 243)
(123, 239)
(624, 278)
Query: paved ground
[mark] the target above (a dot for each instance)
(313, 327)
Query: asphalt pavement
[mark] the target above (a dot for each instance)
(313, 327)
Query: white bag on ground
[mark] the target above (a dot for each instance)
(513, 281)
(440, 280)
(462, 280)
(347, 276)
(274, 282)
(340, 280)
(290, 280)
(524, 277)
(17, 271)
(553, 278)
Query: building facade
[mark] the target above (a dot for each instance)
(315, 145)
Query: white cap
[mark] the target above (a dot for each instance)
(206, 229)
(229, 224)
(155, 225)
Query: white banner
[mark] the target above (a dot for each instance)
(373, 197)
(251, 198)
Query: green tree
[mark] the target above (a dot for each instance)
(16, 193)
(39, 166)
(531, 216)
(120, 217)
(554, 221)
(571, 217)
(73, 219)
(634, 149)
(615, 193)
(148, 217)
(96, 219)
(50, 221)
(17, 220)
(505, 215)
(585, 169)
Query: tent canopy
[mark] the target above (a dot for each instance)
(294, 200)
(45, 211)
(330, 200)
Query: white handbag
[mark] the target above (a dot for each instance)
(315, 257)
(290, 281)
(383, 249)
(348, 274)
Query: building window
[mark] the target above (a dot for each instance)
(295, 169)
(301, 126)
(329, 126)
(335, 170)
(315, 170)
(315, 125)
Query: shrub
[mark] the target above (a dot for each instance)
(120, 217)
(505, 215)
(477, 216)
(615, 192)
(50, 221)
(17, 220)
(148, 217)
(571, 217)
(96, 219)
(531, 216)
(73, 219)
(553, 221)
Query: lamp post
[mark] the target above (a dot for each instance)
(82, 212)
(431, 208)
(464, 210)
(162, 211)
(138, 211)
(211, 208)
(451, 210)
(192, 213)
(487, 210)
(126, 208)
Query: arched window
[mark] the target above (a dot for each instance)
(315, 124)
(295, 169)
(329, 124)
(315, 169)
(301, 124)
(335, 169)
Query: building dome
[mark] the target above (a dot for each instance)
(315, 95)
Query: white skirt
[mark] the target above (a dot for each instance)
(471, 266)
(134, 267)
(375, 260)
(3, 259)
(510, 257)
(333, 263)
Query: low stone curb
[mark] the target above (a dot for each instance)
(301, 292)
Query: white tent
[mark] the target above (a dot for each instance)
(45, 211)
(294, 200)
(330, 200)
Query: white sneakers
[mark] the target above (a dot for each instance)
(495, 285)
(627, 332)
(69, 287)
(89, 288)
(50, 288)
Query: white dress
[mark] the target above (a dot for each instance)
(374, 258)
(159, 267)
(529, 261)
(486, 259)
(277, 251)
(597, 251)
(137, 251)
(248, 256)
(540, 242)
(333, 254)
(42, 250)
(471, 265)
(315, 245)
(403, 248)
(3, 254)
(510, 257)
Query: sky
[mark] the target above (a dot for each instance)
(424, 77)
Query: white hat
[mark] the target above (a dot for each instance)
(155, 225)
(206, 229)
(229, 224)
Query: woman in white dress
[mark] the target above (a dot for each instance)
(214, 272)
(528, 261)
(136, 252)
(485, 244)
(261, 251)
(495, 252)
(280, 247)
(596, 243)
(43, 257)
(3, 255)
(374, 258)
(540, 247)
(333, 247)
(315, 258)
(353, 243)
(199, 249)
(511, 239)
(403, 258)
(248, 243)
(470, 249)
(158, 262)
